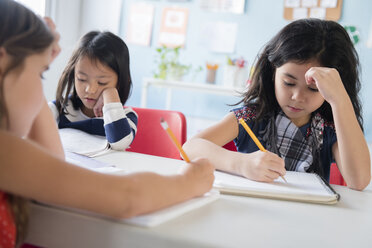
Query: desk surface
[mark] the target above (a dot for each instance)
(231, 221)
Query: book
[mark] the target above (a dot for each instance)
(304, 187)
(146, 220)
(80, 142)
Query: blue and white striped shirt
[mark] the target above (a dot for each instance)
(118, 124)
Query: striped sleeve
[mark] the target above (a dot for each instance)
(120, 125)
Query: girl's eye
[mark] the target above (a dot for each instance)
(102, 84)
(289, 84)
(81, 80)
(314, 89)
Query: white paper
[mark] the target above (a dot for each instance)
(173, 27)
(292, 3)
(309, 3)
(299, 13)
(369, 42)
(161, 216)
(133, 166)
(298, 183)
(219, 36)
(76, 141)
(139, 27)
(328, 3)
(319, 13)
(228, 6)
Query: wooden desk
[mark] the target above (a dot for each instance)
(169, 85)
(231, 221)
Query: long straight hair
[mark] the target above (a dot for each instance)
(22, 34)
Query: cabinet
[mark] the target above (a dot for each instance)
(190, 86)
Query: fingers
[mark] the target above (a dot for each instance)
(263, 166)
(200, 173)
(98, 112)
(56, 49)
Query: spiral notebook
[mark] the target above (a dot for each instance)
(304, 187)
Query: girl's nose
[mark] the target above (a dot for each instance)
(91, 88)
(298, 95)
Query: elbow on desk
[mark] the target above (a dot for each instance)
(360, 184)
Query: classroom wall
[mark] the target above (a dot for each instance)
(261, 20)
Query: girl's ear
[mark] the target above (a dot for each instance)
(4, 60)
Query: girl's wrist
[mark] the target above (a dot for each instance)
(236, 163)
(341, 103)
(110, 95)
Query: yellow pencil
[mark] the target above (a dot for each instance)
(164, 124)
(254, 138)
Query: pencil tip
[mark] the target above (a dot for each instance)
(161, 119)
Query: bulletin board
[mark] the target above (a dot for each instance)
(333, 14)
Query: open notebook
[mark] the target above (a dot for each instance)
(74, 140)
(304, 187)
(146, 220)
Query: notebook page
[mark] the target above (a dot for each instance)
(92, 164)
(77, 141)
(298, 183)
(146, 220)
(161, 216)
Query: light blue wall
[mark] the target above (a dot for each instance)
(262, 20)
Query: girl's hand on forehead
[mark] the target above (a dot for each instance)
(328, 82)
(56, 49)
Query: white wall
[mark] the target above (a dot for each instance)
(66, 15)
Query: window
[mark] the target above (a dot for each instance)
(38, 6)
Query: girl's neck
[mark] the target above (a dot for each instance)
(87, 112)
(299, 122)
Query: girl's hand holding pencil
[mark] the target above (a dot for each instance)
(200, 171)
(268, 163)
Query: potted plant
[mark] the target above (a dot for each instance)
(168, 64)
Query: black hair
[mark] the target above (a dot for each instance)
(302, 41)
(108, 49)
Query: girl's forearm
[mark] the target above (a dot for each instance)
(44, 131)
(49, 179)
(221, 158)
(355, 164)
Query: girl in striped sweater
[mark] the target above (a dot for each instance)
(93, 88)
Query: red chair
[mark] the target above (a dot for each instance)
(334, 178)
(152, 139)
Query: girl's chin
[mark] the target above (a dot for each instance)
(87, 110)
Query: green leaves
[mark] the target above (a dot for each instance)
(168, 64)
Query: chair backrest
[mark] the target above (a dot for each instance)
(334, 178)
(152, 139)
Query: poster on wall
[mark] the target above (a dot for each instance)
(219, 37)
(227, 6)
(173, 27)
(369, 42)
(139, 25)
